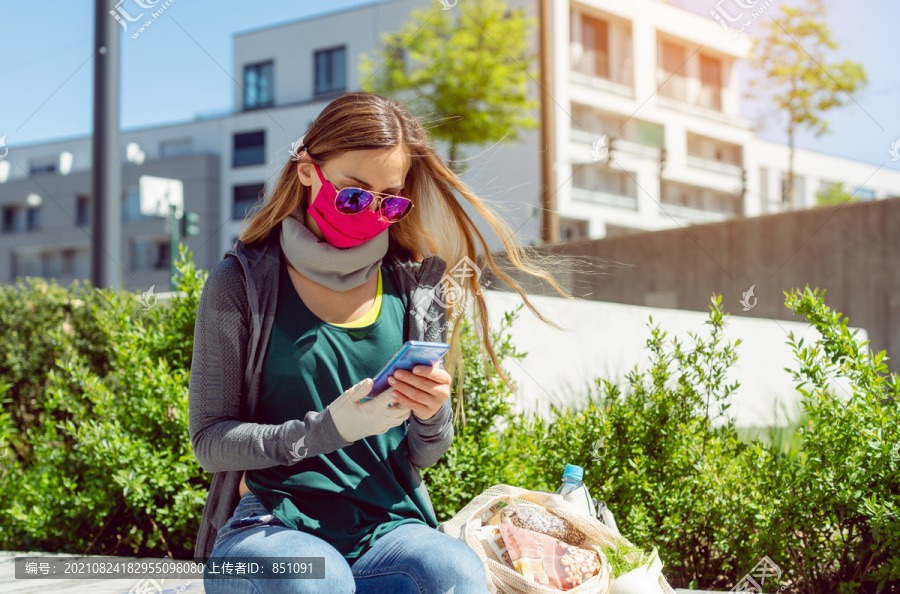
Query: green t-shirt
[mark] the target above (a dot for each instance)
(352, 496)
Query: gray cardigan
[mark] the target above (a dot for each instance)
(233, 325)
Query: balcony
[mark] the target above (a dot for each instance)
(697, 203)
(631, 136)
(714, 166)
(601, 198)
(597, 183)
(601, 53)
(715, 155)
(690, 81)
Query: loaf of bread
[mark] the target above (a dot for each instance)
(538, 519)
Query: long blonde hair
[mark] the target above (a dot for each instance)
(437, 225)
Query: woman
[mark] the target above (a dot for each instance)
(338, 268)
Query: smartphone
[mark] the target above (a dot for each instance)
(412, 353)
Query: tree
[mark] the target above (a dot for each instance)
(468, 73)
(834, 194)
(791, 60)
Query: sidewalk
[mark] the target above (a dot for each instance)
(10, 585)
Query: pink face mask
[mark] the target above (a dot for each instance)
(342, 230)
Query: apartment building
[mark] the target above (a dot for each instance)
(647, 124)
(659, 88)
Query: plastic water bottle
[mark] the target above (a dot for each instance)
(575, 492)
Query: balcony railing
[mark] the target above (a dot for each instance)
(699, 199)
(723, 167)
(604, 198)
(597, 63)
(673, 86)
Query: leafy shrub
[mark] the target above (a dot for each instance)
(30, 310)
(823, 506)
(109, 467)
(672, 478)
(98, 458)
(834, 511)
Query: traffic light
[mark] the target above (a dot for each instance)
(190, 224)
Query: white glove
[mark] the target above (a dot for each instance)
(355, 420)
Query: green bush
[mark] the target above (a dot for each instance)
(107, 466)
(823, 506)
(98, 458)
(672, 479)
(834, 508)
(29, 311)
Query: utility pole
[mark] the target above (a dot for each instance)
(550, 219)
(106, 166)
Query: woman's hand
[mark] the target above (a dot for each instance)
(423, 391)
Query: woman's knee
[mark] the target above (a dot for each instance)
(467, 565)
(457, 563)
(272, 542)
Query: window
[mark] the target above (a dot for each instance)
(697, 197)
(764, 186)
(50, 264)
(599, 178)
(68, 261)
(74, 261)
(330, 70)
(26, 264)
(602, 47)
(595, 39)
(33, 219)
(572, 229)
(42, 165)
(149, 254)
(258, 85)
(245, 197)
(672, 79)
(82, 214)
(596, 121)
(650, 133)
(131, 206)
(713, 149)
(10, 219)
(799, 190)
(710, 83)
(865, 194)
(249, 148)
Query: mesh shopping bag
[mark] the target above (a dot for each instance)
(504, 580)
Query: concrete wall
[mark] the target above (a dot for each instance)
(607, 340)
(850, 250)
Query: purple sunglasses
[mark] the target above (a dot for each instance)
(351, 201)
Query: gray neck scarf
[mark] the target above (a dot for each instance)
(339, 269)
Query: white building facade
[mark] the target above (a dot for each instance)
(660, 85)
(648, 136)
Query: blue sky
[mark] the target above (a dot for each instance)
(181, 67)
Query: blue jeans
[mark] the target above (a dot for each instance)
(413, 558)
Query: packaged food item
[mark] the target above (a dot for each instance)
(492, 515)
(538, 519)
(493, 544)
(548, 560)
